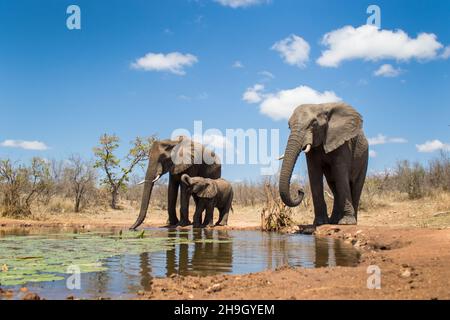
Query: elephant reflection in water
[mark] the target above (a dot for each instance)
(204, 257)
(146, 271)
(331, 253)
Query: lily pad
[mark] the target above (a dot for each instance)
(43, 258)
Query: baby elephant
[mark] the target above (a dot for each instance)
(209, 194)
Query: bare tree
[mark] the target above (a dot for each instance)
(21, 185)
(117, 175)
(80, 176)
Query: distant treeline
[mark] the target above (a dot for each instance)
(78, 184)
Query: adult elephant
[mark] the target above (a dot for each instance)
(177, 157)
(332, 138)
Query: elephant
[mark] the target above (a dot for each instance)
(177, 157)
(331, 135)
(210, 194)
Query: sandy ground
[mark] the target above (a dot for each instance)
(408, 241)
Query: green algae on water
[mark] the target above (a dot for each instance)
(43, 258)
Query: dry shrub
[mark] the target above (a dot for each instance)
(275, 215)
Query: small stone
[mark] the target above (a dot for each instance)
(406, 273)
(191, 296)
(140, 293)
(23, 289)
(215, 288)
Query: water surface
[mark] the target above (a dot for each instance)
(192, 252)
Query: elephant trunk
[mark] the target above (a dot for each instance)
(186, 179)
(146, 195)
(293, 149)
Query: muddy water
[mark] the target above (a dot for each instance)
(199, 252)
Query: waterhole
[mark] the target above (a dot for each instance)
(116, 264)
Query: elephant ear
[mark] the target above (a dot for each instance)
(184, 155)
(210, 190)
(344, 123)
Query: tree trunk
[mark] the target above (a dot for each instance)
(114, 198)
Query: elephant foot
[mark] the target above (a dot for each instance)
(208, 225)
(321, 221)
(172, 223)
(184, 223)
(334, 219)
(221, 224)
(197, 226)
(348, 220)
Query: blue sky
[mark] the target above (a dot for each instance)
(60, 89)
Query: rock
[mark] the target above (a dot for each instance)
(191, 296)
(140, 293)
(31, 296)
(215, 288)
(406, 273)
(23, 289)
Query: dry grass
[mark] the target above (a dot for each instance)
(275, 215)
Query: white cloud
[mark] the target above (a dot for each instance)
(294, 50)
(201, 96)
(237, 64)
(382, 139)
(431, 146)
(446, 53)
(184, 97)
(367, 42)
(27, 145)
(254, 94)
(281, 104)
(373, 154)
(173, 62)
(387, 70)
(240, 3)
(267, 75)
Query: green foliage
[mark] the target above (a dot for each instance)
(117, 171)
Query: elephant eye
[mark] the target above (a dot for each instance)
(314, 123)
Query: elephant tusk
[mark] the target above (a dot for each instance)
(281, 158)
(157, 178)
(308, 148)
(141, 183)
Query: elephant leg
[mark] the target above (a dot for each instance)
(356, 189)
(315, 173)
(199, 208)
(209, 217)
(344, 196)
(172, 195)
(184, 206)
(223, 217)
(335, 215)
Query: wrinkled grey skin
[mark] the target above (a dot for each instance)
(210, 194)
(339, 151)
(166, 156)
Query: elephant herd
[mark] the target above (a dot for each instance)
(331, 135)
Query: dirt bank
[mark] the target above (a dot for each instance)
(401, 238)
(413, 262)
